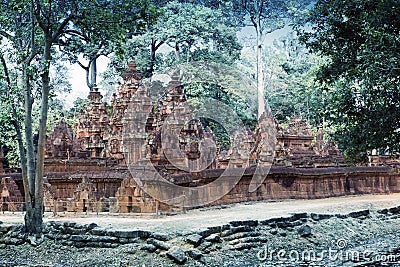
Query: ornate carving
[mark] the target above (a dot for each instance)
(59, 144)
(132, 74)
(298, 127)
(10, 197)
(91, 127)
(84, 197)
(265, 141)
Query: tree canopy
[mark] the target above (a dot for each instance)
(361, 42)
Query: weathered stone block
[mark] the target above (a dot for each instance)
(238, 229)
(129, 233)
(242, 246)
(161, 236)
(241, 235)
(319, 217)
(194, 239)
(204, 246)
(159, 244)
(149, 247)
(195, 254)
(305, 231)
(214, 238)
(241, 223)
(177, 255)
(357, 214)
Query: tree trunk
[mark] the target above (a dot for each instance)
(260, 71)
(93, 72)
(34, 216)
(152, 57)
(153, 49)
(29, 180)
(17, 127)
(177, 52)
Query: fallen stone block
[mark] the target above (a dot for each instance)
(274, 221)
(149, 247)
(256, 239)
(235, 230)
(195, 254)
(91, 226)
(159, 244)
(212, 230)
(5, 228)
(241, 235)
(177, 255)
(214, 238)
(204, 246)
(98, 232)
(298, 216)
(13, 241)
(129, 233)
(395, 210)
(241, 223)
(304, 231)
(383, 211)
(242, 246)
(194, 239)
(74, 231)
(357, 214)
(161, 236)
(320, 217)
(69, 224)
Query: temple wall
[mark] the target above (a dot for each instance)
(105, 183)
(281, 183)
(72, 165)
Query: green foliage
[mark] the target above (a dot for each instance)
(235, 102)
(360, 40)
(79, 106)
(8, 136)
(291, 89)
(187, 33)
(183, 32)
(103, 30)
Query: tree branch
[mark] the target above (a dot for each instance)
(60, 28)
(77, 34)
(6, 35)
(158, 45)
(82, 66)
(5, 69)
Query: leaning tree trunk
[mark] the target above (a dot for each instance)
(152, 57)
(34, 218)
(93, 72)
(17, 125)
(260, 71)
(29, 155)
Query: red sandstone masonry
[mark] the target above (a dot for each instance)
(302, 183)
(281, 183)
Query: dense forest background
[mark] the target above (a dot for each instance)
(334, 63)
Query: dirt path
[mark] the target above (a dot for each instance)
(201, 218)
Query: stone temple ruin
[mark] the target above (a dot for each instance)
(86, 169)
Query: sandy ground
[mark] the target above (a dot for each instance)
(201, 218)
